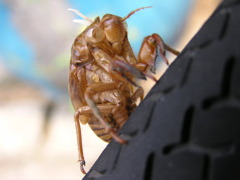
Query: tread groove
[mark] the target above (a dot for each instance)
(225, 85)
(186, 73)
(149, 167)
(206, 166)
(187, 124)
(185, 132)
(149, 118)
(225, 26)
(116, 158)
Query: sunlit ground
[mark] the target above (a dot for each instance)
(26, 154)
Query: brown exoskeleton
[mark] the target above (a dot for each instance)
(103, 69)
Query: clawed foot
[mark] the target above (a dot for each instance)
(82, 164)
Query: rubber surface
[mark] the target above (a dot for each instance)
(188, 127)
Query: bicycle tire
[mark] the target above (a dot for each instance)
(188, 125)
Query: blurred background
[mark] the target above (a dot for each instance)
(37, 131)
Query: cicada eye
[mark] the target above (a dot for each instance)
(94, 35)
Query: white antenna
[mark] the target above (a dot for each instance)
(85, 21)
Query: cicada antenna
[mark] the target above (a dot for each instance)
(86, 20)
(132, 12)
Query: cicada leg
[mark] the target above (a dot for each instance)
(79, 141)
(163, 47)
(85, 111)
(149, 51)
(139, 93)
(117, 67)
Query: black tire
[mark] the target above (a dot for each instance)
(188, 127)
